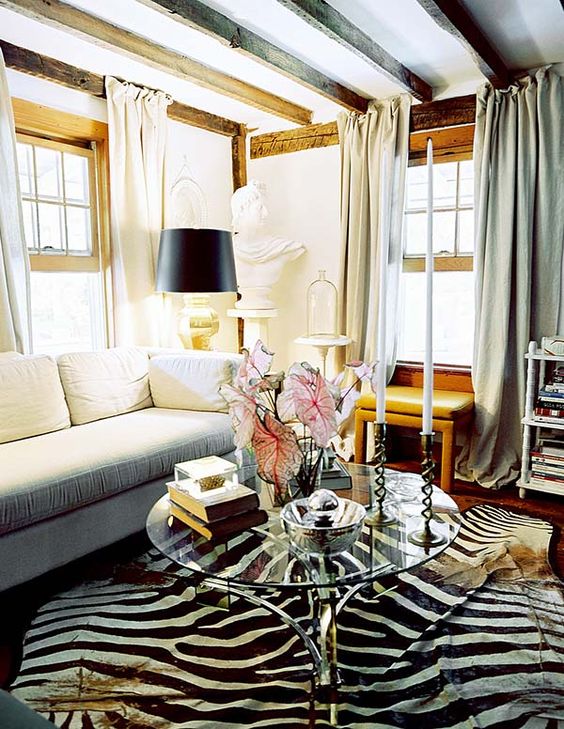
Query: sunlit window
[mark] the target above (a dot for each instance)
(58, 188)
(453, 279)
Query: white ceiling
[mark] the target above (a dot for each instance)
(527, 34)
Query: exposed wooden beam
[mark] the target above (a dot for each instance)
(445, 113)
(329, 21)
(455, 112)
(35, 64)
(451, 16)
(239, 159)
(79, 23)
(195, 14)
(452, 143)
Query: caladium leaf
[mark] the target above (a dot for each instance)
(277, 451)
(314, 404)
(243, 411)
(254, 367)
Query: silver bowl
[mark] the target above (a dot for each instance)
(323, 524)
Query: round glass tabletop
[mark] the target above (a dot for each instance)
(264, 557)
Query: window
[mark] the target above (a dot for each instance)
(59, 181)
(453, 280)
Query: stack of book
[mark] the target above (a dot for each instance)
(213, 512)
(547, 463)
(549, 406)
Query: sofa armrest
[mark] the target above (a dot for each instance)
(191, 380)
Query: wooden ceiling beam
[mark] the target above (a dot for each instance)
(86, 26)
(196, 15)
(34, 64)
(456, 112)
(322, 16)
(450, 15)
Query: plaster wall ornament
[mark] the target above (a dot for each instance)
(260, 255)
(188, 206)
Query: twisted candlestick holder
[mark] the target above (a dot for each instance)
(376, 513)
(426, 537)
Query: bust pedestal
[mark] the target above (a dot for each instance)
(255, 323)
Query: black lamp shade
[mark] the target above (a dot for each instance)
(196, 260)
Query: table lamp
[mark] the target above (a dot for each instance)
(196, 262)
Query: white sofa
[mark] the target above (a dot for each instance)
(88, 441)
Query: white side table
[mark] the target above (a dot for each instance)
(323, 343)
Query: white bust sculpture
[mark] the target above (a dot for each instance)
(259, 255)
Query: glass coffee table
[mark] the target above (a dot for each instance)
(256, 563)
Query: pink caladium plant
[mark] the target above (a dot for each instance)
(289, 420)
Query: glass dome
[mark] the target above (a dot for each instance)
(321, 308)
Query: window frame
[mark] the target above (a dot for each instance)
(48, 126)
(64, 261)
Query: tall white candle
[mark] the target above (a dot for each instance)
(428, 360)
(382, 297)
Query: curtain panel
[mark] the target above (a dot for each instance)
(519, 209)
(365, 141)
(15, 309)
(137, 120)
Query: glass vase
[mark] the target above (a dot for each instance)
(308, 478)
(321, 308)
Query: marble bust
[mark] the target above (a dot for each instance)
(260, 255)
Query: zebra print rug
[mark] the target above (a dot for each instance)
(474, 638)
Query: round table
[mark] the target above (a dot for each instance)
(254, 563)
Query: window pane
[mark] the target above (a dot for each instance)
(415, 233)
(453, 317)
(51, 229)
(78, 229)
(466, 183)
(416, 188)
(444, 232)
(48, 170)
(444, 185)
(466, 231)
(29, 210)
(66, 312)
(76, 178)
(25, 168)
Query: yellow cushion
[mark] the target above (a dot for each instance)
(447, 405)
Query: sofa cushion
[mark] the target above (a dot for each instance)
(191, 381)
(32, 400)
(53, 473)
(106, 383)
(10, 355)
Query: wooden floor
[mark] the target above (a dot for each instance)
(16, 614)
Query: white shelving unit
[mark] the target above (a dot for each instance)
(532, 426)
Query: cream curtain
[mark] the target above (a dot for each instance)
(519, 204)
(15, 310)
(363, 139)
(137, 119)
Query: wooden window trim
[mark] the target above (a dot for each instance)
(446, 377)
(52, 125)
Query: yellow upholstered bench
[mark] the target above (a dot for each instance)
(404, 407)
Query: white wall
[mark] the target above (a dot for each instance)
(208, 156)
(303, 203)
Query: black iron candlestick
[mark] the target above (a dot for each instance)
(426, 537)
(377, 514)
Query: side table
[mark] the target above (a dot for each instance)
(323, 343)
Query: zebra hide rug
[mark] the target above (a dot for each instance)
(475, 638)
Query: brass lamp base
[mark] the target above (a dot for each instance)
(197, 322)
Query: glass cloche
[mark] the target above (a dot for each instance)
(321, 308)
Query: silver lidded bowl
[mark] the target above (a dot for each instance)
(323, 524)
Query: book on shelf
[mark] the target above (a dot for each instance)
(550, 394)
(551, 446)
(539, 457)
(542, 470)
(553, 389)
(209, 506)
(543, 481)
(549, 402)
(221, 528)
(541, 418)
